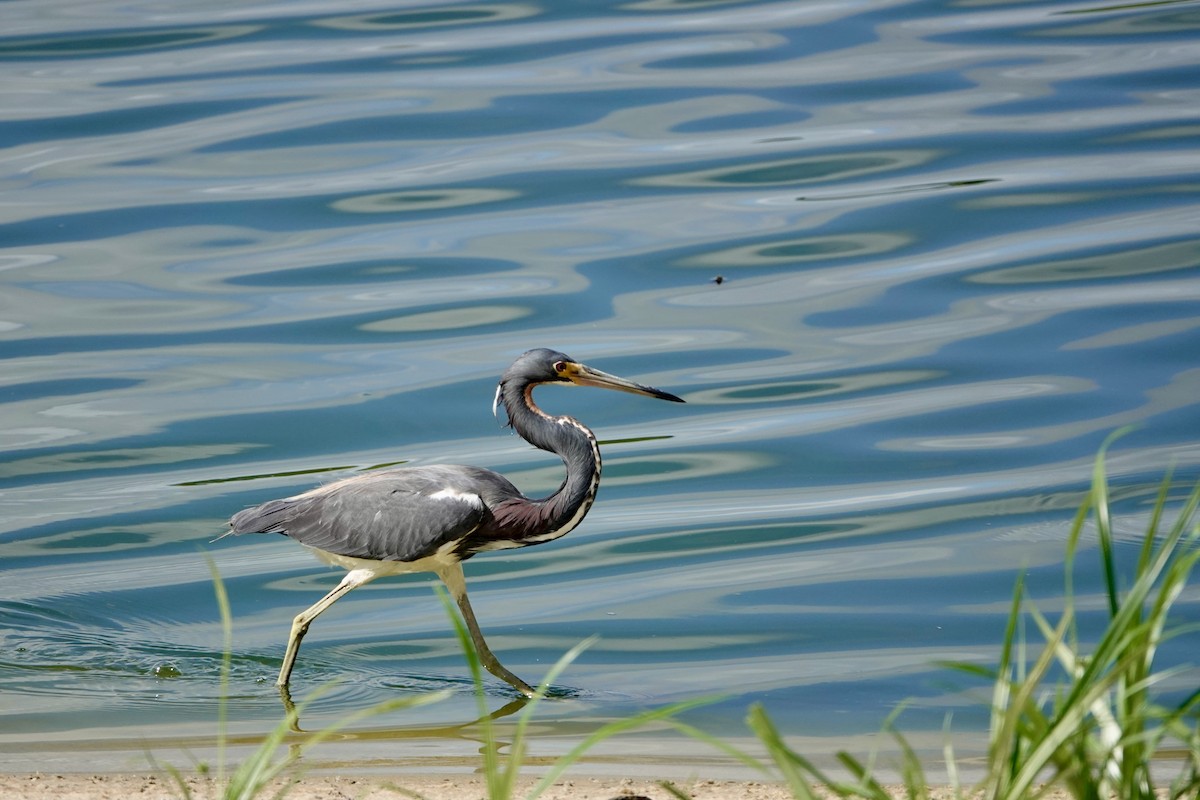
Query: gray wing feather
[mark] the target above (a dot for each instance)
(398, 515)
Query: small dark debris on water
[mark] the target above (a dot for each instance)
(166, 670)
(719, 280)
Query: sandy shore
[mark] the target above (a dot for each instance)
(152, 787)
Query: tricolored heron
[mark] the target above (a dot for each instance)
(431, 519)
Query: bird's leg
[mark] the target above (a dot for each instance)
(452, 576)
(354, 578)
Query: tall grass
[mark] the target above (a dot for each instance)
(1095, 733)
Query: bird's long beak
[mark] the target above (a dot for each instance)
(583, 375)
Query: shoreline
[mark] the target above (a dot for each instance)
(150, 786)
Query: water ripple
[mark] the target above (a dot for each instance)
(246, 252)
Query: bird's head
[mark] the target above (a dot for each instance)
(539, 366)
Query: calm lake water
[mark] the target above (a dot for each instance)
(249, 247)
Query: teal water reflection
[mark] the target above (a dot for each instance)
(243, 256)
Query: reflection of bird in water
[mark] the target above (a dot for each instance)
(431, 519)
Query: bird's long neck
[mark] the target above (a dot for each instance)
(571, 441)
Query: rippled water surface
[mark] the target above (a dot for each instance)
(248, 247)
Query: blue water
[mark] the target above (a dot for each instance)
(245, 248)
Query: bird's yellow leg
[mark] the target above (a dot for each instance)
(452, 576)
(354, 578)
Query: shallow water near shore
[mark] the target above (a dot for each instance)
(247, 248)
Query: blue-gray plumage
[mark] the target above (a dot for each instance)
(431, 519)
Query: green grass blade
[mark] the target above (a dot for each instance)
(565, 761)
(491, 758)
(1104, 523)
(952, 776)
(226, 665)
(735, 753)
(519, 744)
(868, 786)
(791, 767)
(801, 774)
(1001, 725)
(175, 775)
(1160, 503)
(911, 771)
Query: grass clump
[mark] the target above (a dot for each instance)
(1098, 733)
(1095, 732)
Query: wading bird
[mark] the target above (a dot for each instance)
(431, 519)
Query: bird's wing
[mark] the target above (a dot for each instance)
(402, 515)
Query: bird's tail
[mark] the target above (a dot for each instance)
(270, 517)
